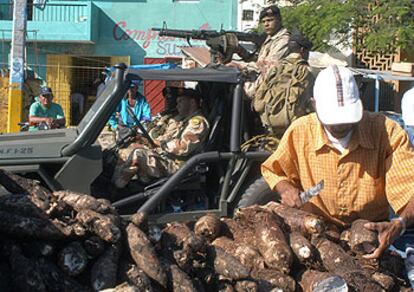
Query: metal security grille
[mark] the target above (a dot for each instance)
(74, 74)
(364, 58)
(85, 70)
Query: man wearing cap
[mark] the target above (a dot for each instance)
(137, 103)
(46, 111)
(182, 137)
(274, 48)
(407, 108)
(365, 160)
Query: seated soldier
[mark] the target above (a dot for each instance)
(45, 111)
(176, 140)
(170, 108)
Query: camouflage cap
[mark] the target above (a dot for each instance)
(272, 10)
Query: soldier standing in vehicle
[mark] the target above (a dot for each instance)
(285, 94)
(182, 136)
(272, 51)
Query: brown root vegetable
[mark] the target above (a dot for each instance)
(140, 220)
(29, 228)
(38, 248)
(312, 280)
(208, 226)
(358, 281)
(205, 273)
(55, 279)
(72, 259)
(144, 255)
(21, 204)
(94, 246)
(272, 243)
(302, 248)
(361, 239)
(74, 229)
(268, 279)
(5, 276)
(334, 258)
(26, 277)
(225, 264)
(79, 201)
(39, 195)
(180, 236)
(180, 244)
(124, 287)
(246, 286)
(177, 279)
(238, 232)
(392, 263)
(337, 261)
(139, 279)
(224, 286)
(247, 216)
(104, 270)
(297, 220)
(332, 235)
(101, 225)
(369, 265)
(386, 281)
(247, 255)
(344, 239)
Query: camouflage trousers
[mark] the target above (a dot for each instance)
(106, 139)
(146, 163)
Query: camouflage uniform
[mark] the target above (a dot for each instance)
(291, 81)
(107, 138)
(274, 49)
(180, 138)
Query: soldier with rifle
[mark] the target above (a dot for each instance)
(272, 51)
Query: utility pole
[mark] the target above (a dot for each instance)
(17, 61)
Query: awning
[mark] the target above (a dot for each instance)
(216, 74)
(199, 54)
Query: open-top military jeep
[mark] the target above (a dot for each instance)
(217, 180)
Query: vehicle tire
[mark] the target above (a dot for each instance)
(257, 193)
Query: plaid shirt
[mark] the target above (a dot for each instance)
(374, 172)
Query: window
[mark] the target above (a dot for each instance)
(247, 15)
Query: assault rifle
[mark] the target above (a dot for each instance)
(224, 42)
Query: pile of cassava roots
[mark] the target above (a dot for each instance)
(66, 241)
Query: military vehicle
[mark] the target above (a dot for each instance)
(217, 180)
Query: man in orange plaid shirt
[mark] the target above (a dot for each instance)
(365, 160)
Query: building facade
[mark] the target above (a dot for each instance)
(70, 42)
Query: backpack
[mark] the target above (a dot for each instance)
(284, 94)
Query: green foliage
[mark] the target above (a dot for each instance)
(328, 23)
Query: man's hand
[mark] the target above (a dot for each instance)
(387, 233)
(49, 121)
(289, 194)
